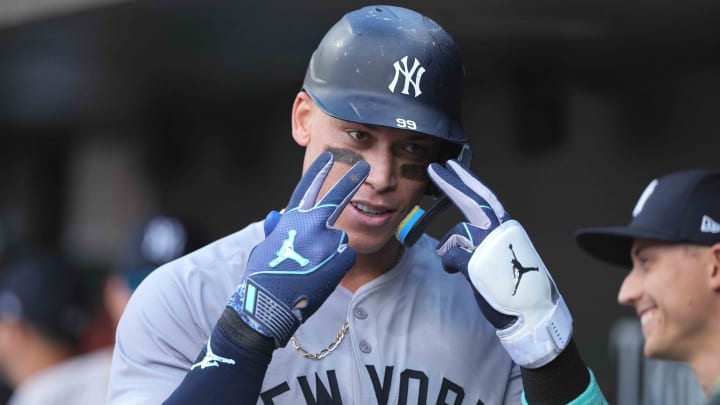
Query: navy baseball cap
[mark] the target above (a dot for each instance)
(680, 207)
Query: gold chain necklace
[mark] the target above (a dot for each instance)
(324, 352)
(340, 336)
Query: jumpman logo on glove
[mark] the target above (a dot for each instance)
(518, 269)
(287, 251)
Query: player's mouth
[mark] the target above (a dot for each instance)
(368, 210)
(646, 319)
(371, 214)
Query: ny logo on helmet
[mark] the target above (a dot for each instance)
(416, 71)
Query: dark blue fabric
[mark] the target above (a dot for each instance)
(238, 383)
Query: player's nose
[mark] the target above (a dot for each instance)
(631, 288)
(382, 177)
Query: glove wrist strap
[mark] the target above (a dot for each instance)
(264, 313)
(544, 342)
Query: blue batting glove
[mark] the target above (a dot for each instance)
(513, 287)
(302, 259)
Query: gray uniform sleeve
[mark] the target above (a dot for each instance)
(514, 387)
(170, 317)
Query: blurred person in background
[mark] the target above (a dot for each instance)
(42, 323)
(13, 245)
(44, 318)
(161, 238)
(672, 248)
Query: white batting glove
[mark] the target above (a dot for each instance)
(513, 287)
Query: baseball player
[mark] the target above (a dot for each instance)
(341, 298)
(672, 247)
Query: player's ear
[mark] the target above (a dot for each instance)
(302, 110)
(715, 270)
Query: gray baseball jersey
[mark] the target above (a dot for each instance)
(416, 335)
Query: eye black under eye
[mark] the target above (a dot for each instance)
(346, 156)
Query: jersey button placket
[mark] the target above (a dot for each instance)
(361, 314)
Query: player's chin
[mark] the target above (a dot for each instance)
(364, 242)
(654, 348)
(648, 350)
(368, 239)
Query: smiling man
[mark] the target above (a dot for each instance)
(672, 247)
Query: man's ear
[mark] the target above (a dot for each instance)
(715, 270)
(302, 112)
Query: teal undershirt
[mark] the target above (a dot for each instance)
(591, 396)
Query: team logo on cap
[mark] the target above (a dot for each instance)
(412, 76)
(644, 197)
(709, 225)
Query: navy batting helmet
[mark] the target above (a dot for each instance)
(393, 67)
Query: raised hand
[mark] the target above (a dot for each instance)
(302, 259)
(513, 287)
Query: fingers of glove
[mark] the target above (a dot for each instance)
(307, 189)
(456, 260)
(472, 205)
(341, 193)
(463, 235)
(469, 179)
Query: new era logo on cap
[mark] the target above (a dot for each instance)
(669, 209)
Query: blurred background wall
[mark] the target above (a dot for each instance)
(110, 110)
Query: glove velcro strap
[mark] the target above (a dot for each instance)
(277, 319)
(544, 342)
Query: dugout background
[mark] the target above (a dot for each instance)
(111, 110)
